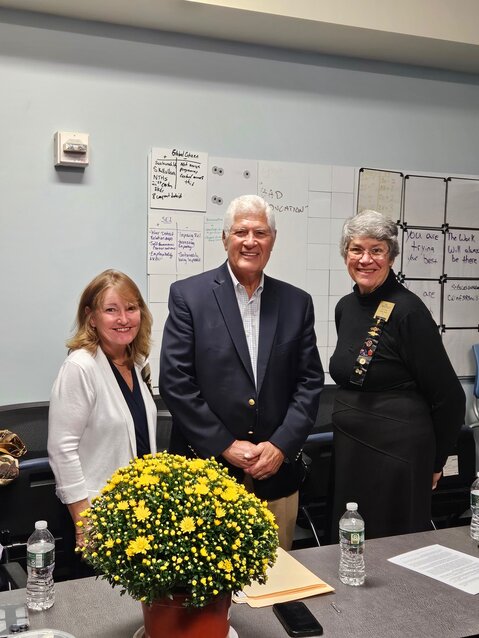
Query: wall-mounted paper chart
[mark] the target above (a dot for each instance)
(424, 200)
(429, 292)
(462, 253)
(178, 179)
(461, 304)
(462, 206)
(381, 191)
(175, 243)
(422, 253)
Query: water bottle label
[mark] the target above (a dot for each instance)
(40, 559)
(475, 498)
(352, 538)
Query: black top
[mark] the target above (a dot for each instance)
(410, 356)
(136, 405)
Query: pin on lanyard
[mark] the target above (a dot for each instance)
(366, 353)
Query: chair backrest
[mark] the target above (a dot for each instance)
(475, 350)
(29, 498)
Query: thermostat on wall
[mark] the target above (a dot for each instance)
(71, 149)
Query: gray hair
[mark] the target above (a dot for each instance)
(370, 223)
(248, 204)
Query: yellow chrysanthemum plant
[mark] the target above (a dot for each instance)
(165, 524)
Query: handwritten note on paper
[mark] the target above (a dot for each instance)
(462, 253)
(461, 304)
(178, 179)
(429, 292)
(422, 253)
(175, 243)
(381, 191)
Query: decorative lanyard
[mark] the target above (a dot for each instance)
(370, 344)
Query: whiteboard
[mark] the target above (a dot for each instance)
(285, 187)
(227, 178)
(424, 201)
(311, 202)
(461, 304)
(381, 191)
(462, 205)
(422, 253)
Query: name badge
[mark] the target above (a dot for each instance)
(384, 310)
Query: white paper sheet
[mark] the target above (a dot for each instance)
(446, 565)
(178, 179)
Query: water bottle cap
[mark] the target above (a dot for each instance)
(41, 525)
(351, 507)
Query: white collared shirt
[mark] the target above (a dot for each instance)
(250, 314)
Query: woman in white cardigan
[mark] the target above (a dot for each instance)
(101, 412)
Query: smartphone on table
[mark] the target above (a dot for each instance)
(297, 619)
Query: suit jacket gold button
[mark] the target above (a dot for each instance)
(251, 401)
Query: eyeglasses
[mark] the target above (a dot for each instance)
(375, 253)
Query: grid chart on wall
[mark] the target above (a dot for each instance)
(189, 191)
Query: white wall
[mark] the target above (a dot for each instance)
(131, 90)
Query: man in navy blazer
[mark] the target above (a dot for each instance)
(239, 370)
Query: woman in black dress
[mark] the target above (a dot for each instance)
(400, 405)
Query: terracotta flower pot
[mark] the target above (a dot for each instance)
(169, 618)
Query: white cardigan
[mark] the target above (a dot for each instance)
(90, 428)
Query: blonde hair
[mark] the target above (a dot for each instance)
(86, 336)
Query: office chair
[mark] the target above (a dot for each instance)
(29, 498)
(315, 493)
(12, 576)
(451, 499)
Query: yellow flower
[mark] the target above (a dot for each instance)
(220, 512)
(147, 479)
(122, 505)
(212, 474)
(109, 543)
(138, 546)
(187, 524)
(230, 494)
(226, 565)
(200, 488)
(142, 512)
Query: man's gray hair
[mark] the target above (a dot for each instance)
(371, 224)
(248, 204)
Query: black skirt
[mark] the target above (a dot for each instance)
(384, 449)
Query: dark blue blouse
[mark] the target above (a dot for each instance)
(136, 405)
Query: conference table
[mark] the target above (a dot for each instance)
(394, 601)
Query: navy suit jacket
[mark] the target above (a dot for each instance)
(207, 382)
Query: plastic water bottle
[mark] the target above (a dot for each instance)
(475, 509)
(40, 564)
(351, 542)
